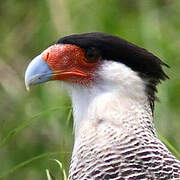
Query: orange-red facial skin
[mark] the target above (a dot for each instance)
(69, 63)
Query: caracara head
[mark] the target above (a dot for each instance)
(98, 59)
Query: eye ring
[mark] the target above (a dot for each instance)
(92, 54)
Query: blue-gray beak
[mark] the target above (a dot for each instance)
(37, 72)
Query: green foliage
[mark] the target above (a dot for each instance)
(32, 125)
(61, 169)
(169, 146)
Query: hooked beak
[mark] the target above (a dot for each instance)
(38, 71)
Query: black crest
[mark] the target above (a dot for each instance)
(147, 65)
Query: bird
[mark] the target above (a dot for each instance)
(113, 84)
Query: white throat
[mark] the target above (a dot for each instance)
(116, 90)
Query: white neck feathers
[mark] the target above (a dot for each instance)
(116, 90)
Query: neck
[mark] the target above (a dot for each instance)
(97, 103)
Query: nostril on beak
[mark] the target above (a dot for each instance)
(47, 55)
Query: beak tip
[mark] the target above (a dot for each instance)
(27, 82)
(27, 87)
(37, 72)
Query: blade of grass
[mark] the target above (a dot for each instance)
(169, 146)
(25, 124)
(49, 175)
(24, 163)
(62, 170)
(69, 116)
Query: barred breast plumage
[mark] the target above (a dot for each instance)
(129, 151)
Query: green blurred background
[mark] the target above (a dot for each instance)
(27, 28)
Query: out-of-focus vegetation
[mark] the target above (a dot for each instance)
(37, 122)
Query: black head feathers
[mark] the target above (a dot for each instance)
(147, 65)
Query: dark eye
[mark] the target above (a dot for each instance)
(92, 54)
